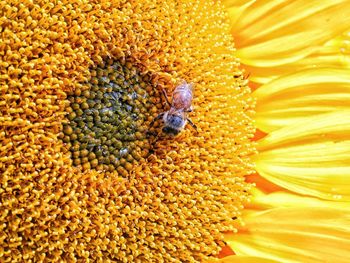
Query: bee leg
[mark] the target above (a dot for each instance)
(150, 133)
(192, 124)
(166, 97)
(153, 142)
(160, 115)
(190, 109)
(155, 139)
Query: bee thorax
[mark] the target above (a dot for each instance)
(173, 123)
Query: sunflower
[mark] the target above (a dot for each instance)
(298, 58)
(84, 178)
(85, 174)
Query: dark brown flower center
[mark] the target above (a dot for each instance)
(109, 118)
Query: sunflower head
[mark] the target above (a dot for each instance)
(81, 179)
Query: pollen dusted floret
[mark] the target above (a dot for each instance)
(172, 207)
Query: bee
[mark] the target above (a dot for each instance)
(176, 118)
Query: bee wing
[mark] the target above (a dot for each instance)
(191, 86)
(183, 83)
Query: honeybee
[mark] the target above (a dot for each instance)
(175, 119)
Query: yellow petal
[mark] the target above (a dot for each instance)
(280, 199)
(231, 3)
(333, 126)
(272, 33)
(277, 51)
(244, 259)
(235, 8)
(311, 158)
(342, 43)
(326, 57)
(295, 97)
(316, 234)
(316, 169)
